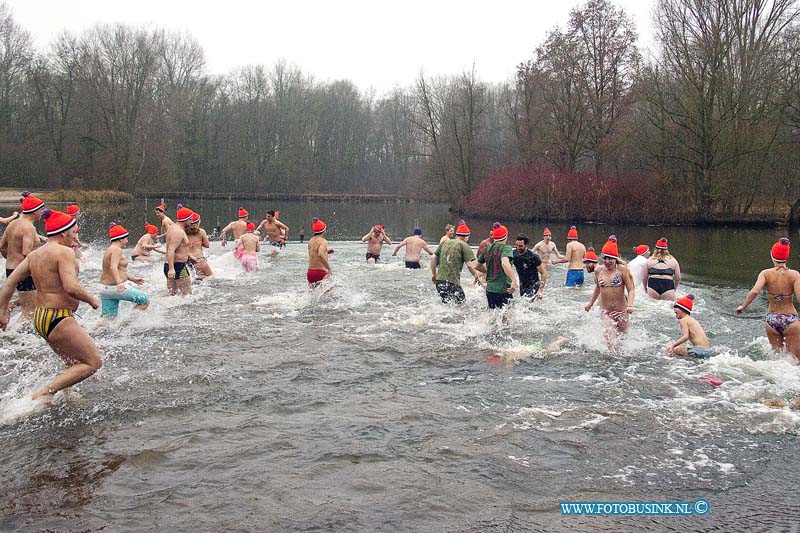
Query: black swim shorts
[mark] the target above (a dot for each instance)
(26, 285)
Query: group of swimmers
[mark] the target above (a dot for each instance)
(46, 276)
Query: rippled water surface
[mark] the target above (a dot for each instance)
(256, 405)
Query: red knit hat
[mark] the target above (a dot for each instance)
(547, 232)
(29, 203)
(685, 303)
(662, 243)
(116, 232)
(317, 226)
(56, 222)
(151, 229)
(780, 250)
(251, 226)
(610, 248)
(590, 257)
(642, 249)
(462, 229)
(195, 217)
(572, 234)
(378, 227)
(73, 209)
(499, 232)
(161, 207)
(183, 214)
(243, 213)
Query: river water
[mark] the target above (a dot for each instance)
(256, 405)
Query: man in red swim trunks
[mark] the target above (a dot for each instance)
(318, 266)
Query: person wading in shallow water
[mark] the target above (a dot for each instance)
(546, 247)
(614, 287)
(529, 269)
(20, 240)
(176, 268)
(496, 263)
(450, 257)
(115, 274)
(574, 259)
(414, 246)
(318, 266)
(375, 240)
(54, 269)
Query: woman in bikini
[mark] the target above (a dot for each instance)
(198, 239)
(781, 322)
(614, 288)
(663, 273)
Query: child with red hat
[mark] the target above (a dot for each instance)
(115, 274)
(495, 261)
(146, 244)
(691, 331)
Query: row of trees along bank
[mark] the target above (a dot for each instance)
(708, 124)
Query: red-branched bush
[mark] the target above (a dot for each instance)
(532, 193)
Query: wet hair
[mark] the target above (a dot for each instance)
(659, 254)
(524, 238)
(271, 212)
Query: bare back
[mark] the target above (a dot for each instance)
(166, 223)
(52, 266)
(249, 243)
(781, 284)
(574, 254)
(414, 246)
(141, 249)
(318, 254)
(19, 240)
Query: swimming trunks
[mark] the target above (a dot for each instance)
(238, 252)
(376, 257)
(413, 264)
(26, 285)
(450, 292)
(700, 352)
(134, 256)
(180, 270)
(574, 278)
(45, 320)
(497, 300)
(780, 322)
(110, 298)
(314, 275)
(660, 285)
(249, 263)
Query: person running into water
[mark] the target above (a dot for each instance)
(146, 244)
(614, 287)
(277, 232)
(375, 240)
(115, 274)
(783, 286)
(175, 267)
(449, 233)
(529, 267)
(447, 263)
(590, 260)
(638, 266)
(319, 267)
(6, 220)
(18, 241)
(545, 247)
(496, 263)
(250, 246)
(198, 239)
(663, 274)
(691, 331)
(414, 246)
(574, 258)
(73, 210)
(54, 270)
(238, 228)
(166, 222)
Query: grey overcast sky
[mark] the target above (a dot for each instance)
(373, 43)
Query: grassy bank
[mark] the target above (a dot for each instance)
(88, 197)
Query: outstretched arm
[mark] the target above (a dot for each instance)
(404, 242)
(755, 291)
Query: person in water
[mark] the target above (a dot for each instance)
(198, 239)
(449, 233)
(447, 263)
(115, 274)
(166, 222)
(250, 247)
(277, 231)
(529, 268)
(19, 240)
(691, 331)
(54, 269)
(414, 246)
(638, 266)
(73, 210)
(590, 260)
(375, 240)
(574, 258)
(319, 267)
(614, 288)
(176, 268)
(238, 228)
(546, 247)
(663, 274)
(146, 244)
(501, 284)
(783, 286)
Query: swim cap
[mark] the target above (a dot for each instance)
(500, 232)
(417, 231)
(183, 214)
(662, 243)
(243, 213)
(317, 226)
(462, 229)
(590, 257)
(642, 249)
(29, 203)
(547, 233)
(73, 209)
(686, 303)
(780, 250)
(116, 232)
(56, 222)
(610, 248)
(572, 234)
(151, 229)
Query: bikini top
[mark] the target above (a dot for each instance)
(653, 271)
(616, 281)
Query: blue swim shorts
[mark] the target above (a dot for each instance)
(700, 352)
(110, 300)
(574, 278)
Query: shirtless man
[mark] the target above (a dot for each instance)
(115, 274)
(414, 246)
(19, 240)
(318, 266)
(545, 247)
(55, 271)
(276, 232)
(166, 222)
(375, 240)
(590, 260)
(175, 268)
(237, 227)
(146, 244)
(574, 257)
(250, 246)
(198, 239)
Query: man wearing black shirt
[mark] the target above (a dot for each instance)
(529, 267)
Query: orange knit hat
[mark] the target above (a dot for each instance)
(151, 229)
(317, 226)
(610, 248)
(183, 214)
(30, 204)
(499, 232)
(243, 213)
(73, 209)
(662, 243)
(780, 250)
(686, 303)
(591, 256)
(572, 234)
(462, 229)
(56, 222)
(116, 232)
